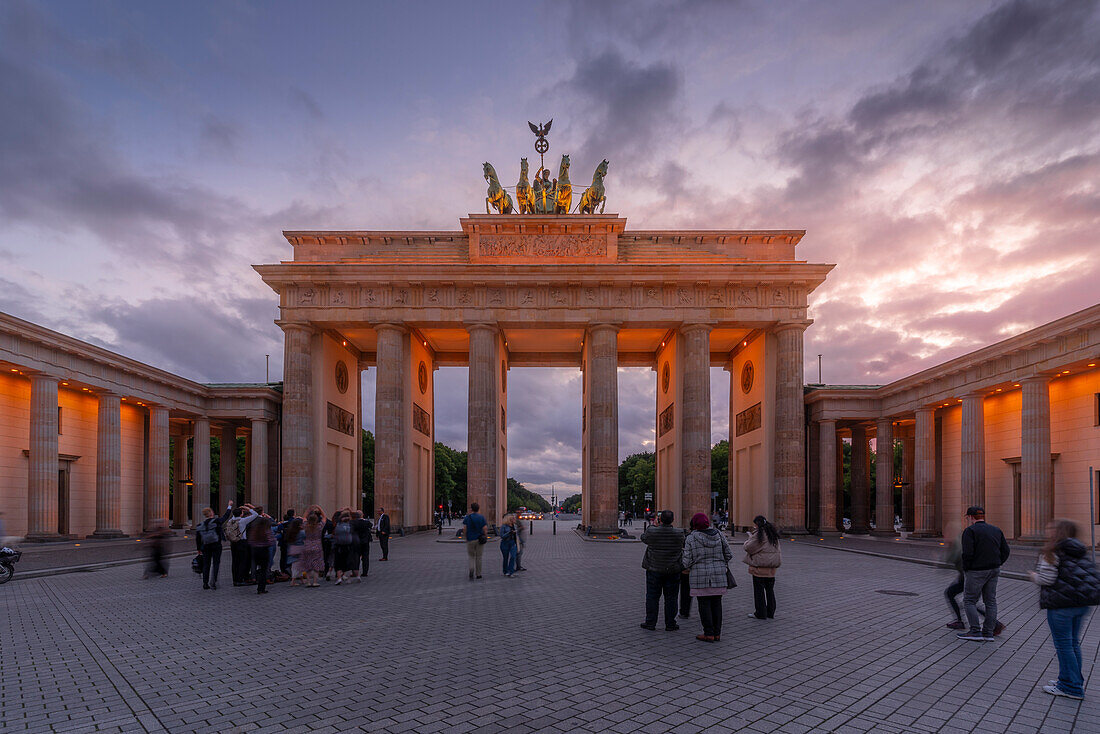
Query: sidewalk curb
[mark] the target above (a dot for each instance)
(934, 564)
(88, 567)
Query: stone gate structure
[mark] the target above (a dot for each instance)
(565, 290)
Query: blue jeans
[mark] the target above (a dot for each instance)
(1065, 631)
(508, 550)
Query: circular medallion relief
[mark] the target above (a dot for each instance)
(422, 377)
(666, 377)
(341, 377)
(748, 372)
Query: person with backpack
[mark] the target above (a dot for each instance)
(762, 556)
(706, 560)
(208, 541)
(345, 546)
(1069, 583)
(238, 548)
(362, 527)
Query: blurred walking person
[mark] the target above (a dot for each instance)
(508, 544)
(362, 527)
(1069, 584)
(261, 539)
(157, 538)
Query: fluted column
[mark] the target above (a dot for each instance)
(200, 471)
(790, 438)
(258, 469)
(483, 421)
(695, 435)
(884, 477)
(297, 443)
(908, 503)
(156, 482)
(179, 489)
(390, 421)
(924, 474)
(43, 467)
(973, 450)
(603, 426)
(861, 480)
(108, 468)
(827, 474)
(227, 466)
(1036, 488)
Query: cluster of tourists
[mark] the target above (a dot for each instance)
(309, 547)
(513, 539)
(681, 567)
(1068, 580)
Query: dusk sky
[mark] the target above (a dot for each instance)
(944, 154)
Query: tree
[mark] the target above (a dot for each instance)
(368, 471)
(519, 496)
(637, 477)
(720, 471)
(571, 504)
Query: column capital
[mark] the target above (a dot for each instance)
(976, 394)
(603, 326)
(399, 328)
(41, 377)
(288, 326)
(827, 421)
(801, 325)
(1035, 380)
(695, 326)
(925, 409)
(472, 326)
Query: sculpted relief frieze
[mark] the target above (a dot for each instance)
(542, 245)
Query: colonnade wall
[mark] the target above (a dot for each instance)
(336, 415)
(1013, 427)
(751, 472)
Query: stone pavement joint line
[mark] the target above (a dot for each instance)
(417, 647)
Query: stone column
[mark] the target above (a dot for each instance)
(227, 468)
(179, 489)
(790, 439)
(297, 439)
(390, 421)
(908, 452)
(200, 472)
(827, 473)
(973, 450)
(156, 482)
(603, 426)
(1036, 486)
(861, 481)
(924, 474)
(483, 422)
(884, 477)
(108, 468)
(695, 411)
(42, 479)
(258, 469)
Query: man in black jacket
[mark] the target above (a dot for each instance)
(984, 551)
(382, 530)
(664, 545)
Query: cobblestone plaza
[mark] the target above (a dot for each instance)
(417, 647)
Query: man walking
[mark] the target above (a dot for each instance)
(362, 527)
(664, 544)
(984, 551)
(476, 532)
(382, 530)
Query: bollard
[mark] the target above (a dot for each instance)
(531, 531)
(555, 527)
(441, 528)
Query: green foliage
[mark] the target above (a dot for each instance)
(519, 496)
(572, 504)
(450, 477)
(637, 476)
(720, 471)
(368, 471)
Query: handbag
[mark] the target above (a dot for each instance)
(196, 564)
(482, 540)
(731, 582)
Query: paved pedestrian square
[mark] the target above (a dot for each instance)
(417, 647)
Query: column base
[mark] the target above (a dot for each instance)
(47, 537)
(792, 531)
(859, 531)
(603, 532)
(884, 533)
(925, 534)
(107, 535)
(828, 533)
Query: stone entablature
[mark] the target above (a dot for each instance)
(1068, 342)
(35, 349)
(545, 240)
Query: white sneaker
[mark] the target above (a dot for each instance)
(1056, 691)
(339, 581)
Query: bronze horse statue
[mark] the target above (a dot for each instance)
(496, 195)
(564, 201)
(525, 195)
(594, 194)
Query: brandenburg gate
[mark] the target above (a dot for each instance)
(576, 290)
